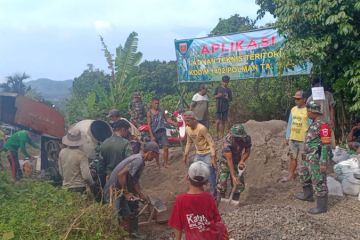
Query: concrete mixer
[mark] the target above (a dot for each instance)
(95, 132)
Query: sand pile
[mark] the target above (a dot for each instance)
(264, 167)
(268, 159)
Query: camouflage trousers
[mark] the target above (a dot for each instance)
(223, 175)
(310, 174)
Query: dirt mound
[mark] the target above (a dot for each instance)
(267, 160)
(268, 156)
(166, 183)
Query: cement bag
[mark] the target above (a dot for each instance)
(351, 185)
(346, 168)
(334, 187)
(340, 154)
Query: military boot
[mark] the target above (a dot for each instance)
(236, 196)
(306, 195)
(321, 205)
(133, 228)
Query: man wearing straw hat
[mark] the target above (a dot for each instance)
(235, 152)
(73, 163)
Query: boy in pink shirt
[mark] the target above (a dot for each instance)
(195, 212)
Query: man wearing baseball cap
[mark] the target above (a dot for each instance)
(297, 126)
(235, 151)
(123, 185)
(313, 172)
(195, 212)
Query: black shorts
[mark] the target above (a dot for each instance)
(222, 115)
(161, 138)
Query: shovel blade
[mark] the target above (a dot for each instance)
(231, 202)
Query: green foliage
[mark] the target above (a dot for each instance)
(233, 24)
(90, 96)
(109, 58)
(88, 80)
(37, 210)
(15, 84)
(265, 99)
(326, 33)
(126, 62)
(94, 93)
(157, 77)
(265, 6)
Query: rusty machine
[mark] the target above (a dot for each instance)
(38, 117)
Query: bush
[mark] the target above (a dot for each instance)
(37, 210)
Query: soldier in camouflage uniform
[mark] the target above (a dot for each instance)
(313, 173)
(235, 151)
(137, 110)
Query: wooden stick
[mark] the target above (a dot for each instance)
(73, 223)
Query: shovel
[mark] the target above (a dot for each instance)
(230, 201)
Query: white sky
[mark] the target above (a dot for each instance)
(56, 38)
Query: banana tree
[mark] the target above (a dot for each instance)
(122, 68)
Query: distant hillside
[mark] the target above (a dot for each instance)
(54, 91)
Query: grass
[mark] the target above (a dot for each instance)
(32, 209)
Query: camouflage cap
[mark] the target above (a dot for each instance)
(238, 130)
(313, 107)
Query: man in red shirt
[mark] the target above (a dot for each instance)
(195, 212)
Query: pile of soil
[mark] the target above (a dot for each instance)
(268, 209)
(268, 160)
(266, 165)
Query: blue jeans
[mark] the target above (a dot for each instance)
(206, 158)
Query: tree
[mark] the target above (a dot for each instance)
(265, 6)
(157, 77)
(126, 61)
(233, 24)
(327, 34)
(15, 84)
(89, 80)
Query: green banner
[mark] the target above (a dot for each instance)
(244, 55)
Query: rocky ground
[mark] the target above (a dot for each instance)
(268, 209)
(273, 213)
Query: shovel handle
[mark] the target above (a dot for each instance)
(232, 193)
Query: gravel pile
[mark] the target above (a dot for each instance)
(276, 222)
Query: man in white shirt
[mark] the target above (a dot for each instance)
(200, 105)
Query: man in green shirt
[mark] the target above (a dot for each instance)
(13, 143)
(114, 149)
